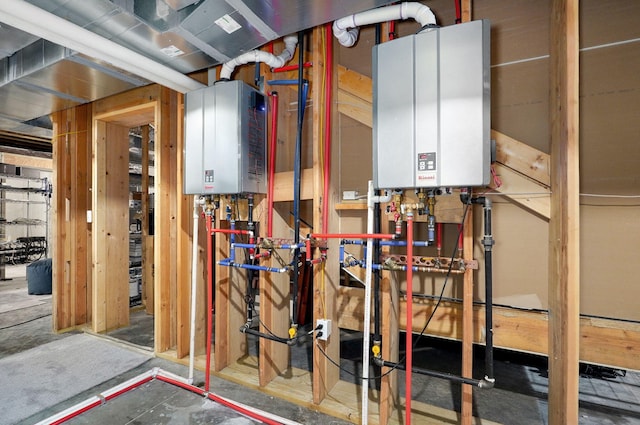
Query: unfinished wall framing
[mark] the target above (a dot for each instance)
(608, 334)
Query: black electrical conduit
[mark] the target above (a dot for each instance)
(245, 329)
(489, 380)
(297, 171)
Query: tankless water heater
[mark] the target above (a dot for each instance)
(225, 140)
(431, 108)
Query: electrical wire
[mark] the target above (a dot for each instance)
(433, 312)
(347, 371)
(446, 279)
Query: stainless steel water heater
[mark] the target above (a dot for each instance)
(431, 108)
(225, 140)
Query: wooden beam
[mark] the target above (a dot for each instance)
(523, 191)
(230, 308)
(466, 411)
(355, 107)
(26, 161)
(147, 239)
(466, 414)
(165, 221)
(71, 235)
(522, 158)
(274, 313)
(283, 190)
(355, 83)
(606, 342)
(110, 215)
(564, 224)
(185, 239)
(325, 275)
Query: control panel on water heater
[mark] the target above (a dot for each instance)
(431, 108)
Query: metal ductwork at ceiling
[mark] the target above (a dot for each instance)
(38, 77)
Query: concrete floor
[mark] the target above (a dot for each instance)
(606, 396)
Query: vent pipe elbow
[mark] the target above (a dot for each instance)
(346, 29)
(270, 59)
(346, 36)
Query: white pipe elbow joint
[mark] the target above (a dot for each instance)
(346, 32)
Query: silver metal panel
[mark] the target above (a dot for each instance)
(112, 25)
(79, 12)
(186, 25)
(289, 16)
(432, 109)
(465, 105)
(12, 40)
(7, 124)
(78, 80)
(393, 117)
(24, 103)
(44, 75)
(180, 4)
(225, 140)
(202, 23)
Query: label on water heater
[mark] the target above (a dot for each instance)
(426, 167)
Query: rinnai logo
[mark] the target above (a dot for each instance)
(431, 177)
(208, 187)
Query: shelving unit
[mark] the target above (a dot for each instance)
(19, 243)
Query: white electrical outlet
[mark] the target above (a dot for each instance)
(323, 329)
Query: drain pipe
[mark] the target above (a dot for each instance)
(346, 29)
(488, 243)
(197, 202)
(372, 200)
(260, 56)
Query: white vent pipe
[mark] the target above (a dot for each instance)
(346, 29)
(29, 18)
(270, 59)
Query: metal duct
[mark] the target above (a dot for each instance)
(37, 79)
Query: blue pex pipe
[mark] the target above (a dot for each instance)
(244, 245)
(404, 243)
(387, 243)
(292, 246)
(282, 82)
(228, 263)
(353, 242)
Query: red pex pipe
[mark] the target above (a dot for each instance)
(217, 399)
(97, 403)
(207, 368)
(352, 235)
(292, 67)
(308, 246)
(439, 237)
(458, 11)
(328, 67)
(77, 412)
(273, 143)
(234, 231)
(129, 388)
(409, 328)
